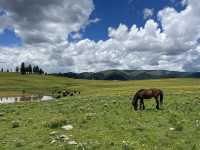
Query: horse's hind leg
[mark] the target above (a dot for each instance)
(157, 103)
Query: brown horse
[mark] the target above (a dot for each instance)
(147, 94)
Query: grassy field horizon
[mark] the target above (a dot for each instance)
(101, 115)
(12, 84)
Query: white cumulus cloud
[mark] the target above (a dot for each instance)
(37, 21)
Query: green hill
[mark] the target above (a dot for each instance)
(130, 74)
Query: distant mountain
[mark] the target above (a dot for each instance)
(130, 74)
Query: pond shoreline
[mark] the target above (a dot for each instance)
(32, 98)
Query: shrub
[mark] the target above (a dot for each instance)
(15, 124)
(56, 122)
(179, 126)
(19, 143)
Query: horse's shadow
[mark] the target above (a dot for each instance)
(153, 110)
(149, 110)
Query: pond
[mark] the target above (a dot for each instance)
(7, 100)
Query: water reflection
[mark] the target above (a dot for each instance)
(6, 100)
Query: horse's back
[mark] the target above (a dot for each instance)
(148, 93)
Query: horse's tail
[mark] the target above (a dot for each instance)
(161, 97)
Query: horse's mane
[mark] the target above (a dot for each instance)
(136, 94)
(135, 99)
(140, 91)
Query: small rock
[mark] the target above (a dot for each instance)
(53, 133)
(64, 137)
(105, 105)
(1, 114)
(114, 102)
(3, 119)
(67, 127)
(172, 129)
(53, 141)
(72, 142)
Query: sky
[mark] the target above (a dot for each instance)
(96, 35)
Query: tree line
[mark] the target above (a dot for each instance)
(29, 69)
(6, 70)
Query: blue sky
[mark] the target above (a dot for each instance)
(129, 12)
(9, 38)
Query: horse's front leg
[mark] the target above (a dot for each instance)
(157, 103)
(142, 104)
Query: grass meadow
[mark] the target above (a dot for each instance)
(101, 116)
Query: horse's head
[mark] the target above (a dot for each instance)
(135, 98)
(135, 101)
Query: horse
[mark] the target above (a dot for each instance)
(147, 94)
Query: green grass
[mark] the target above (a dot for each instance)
(101, 116)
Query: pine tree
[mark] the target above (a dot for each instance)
(23, 68)
(41, 71)
(37, 69)
(33, 69)
(26, 69)
(17, 69)
(30, 70)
